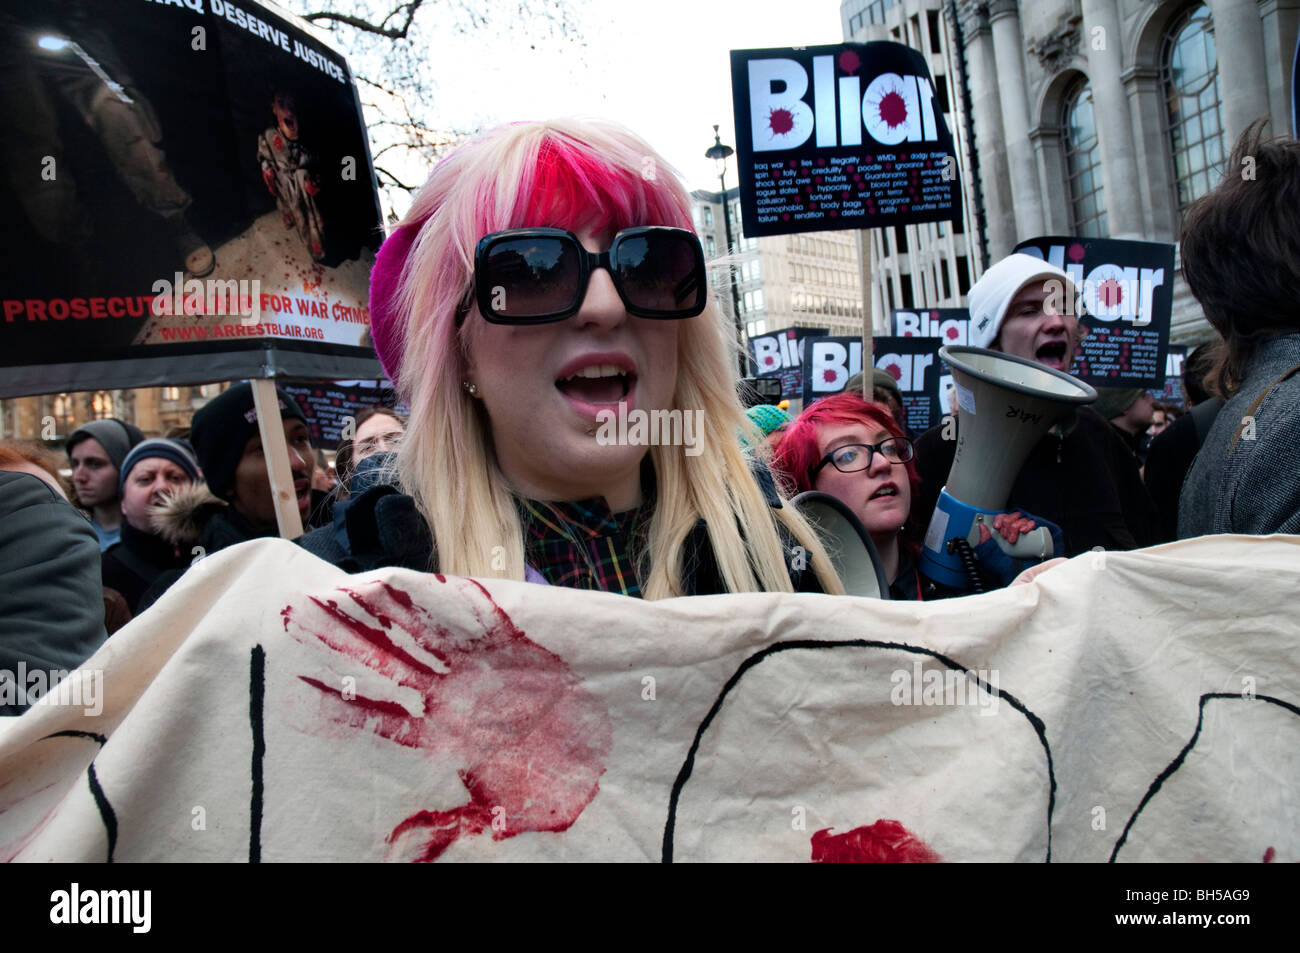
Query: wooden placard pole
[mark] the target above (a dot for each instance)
(276, 453)
(868, 319)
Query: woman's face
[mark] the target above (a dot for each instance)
(880, 495)
(543, 386)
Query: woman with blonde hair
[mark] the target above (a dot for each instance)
(545, 283)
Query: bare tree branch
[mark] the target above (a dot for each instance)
(381, 29)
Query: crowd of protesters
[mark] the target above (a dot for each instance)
(496, 473)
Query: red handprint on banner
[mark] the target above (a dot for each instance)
(528, 740)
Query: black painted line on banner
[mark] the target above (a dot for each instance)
(1177, 763)
(684, 775)
(106, 812)
(256, 700)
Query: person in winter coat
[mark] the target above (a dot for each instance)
(545, 281)
(52, 602)
(154, 470)
(236, 503)
(1080, 476)
(96, 451)
(1241, 258)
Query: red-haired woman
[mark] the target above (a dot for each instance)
(855, 451)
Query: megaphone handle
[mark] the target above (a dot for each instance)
(1036, 544)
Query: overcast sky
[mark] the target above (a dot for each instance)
(660, 68)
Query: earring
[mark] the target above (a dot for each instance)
(470, 388)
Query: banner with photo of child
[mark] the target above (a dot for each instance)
(1125, 301)
(843, 136)
(913, 362)
(189, 197)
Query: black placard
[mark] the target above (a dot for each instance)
(836, 137)
(913, 362)
(780, 354)
(138, 131)
(1125, 300)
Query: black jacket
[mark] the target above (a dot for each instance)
(198, 524)
(384, 528)
(1085, 481)
(135, 562)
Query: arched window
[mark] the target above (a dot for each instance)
(102, 405)
(1084, 184)
(1189, 69)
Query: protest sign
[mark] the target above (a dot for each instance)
(950, 324)
(1125, 300)
(780, 354)
(329, 404)
(1172, 392)
(844, 136)
(190, 198)
(912, 361)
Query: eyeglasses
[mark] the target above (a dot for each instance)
(539, 275)
(850, 457)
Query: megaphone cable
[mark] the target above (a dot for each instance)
(962, 548)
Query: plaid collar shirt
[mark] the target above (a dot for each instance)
(583, 545)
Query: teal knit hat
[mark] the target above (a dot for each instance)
(768, 418)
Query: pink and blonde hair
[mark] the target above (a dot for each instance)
(572, 174)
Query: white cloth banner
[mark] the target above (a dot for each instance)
(1133, 706)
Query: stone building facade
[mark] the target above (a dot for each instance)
(1098, 117)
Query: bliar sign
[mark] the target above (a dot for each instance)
(833, 137)
(1125, 301)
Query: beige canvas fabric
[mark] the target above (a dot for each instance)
(1142, 706)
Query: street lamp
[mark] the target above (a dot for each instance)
(719, 153)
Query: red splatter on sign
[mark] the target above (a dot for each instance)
(1075, 252)
(884, 842)
(893, 109)
(780, 121)
(849, 62)
(1270, 855)
(1110, 293)
(769, 360)
(894, 371)
(828, 376)
(528, 740)
(952, 334)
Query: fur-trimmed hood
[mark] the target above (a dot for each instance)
(182, 519)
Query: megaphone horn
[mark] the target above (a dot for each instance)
(1005, 405)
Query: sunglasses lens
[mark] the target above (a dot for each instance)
(531, 277)
(659, 271)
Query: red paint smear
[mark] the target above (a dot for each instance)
(953, 334)
(1110, 293)
(893, 109)
(894, 371)
(529, 742)
(780, 121)
(1075, 252)
(884, 842)
(1270, 855)
(849, 61)
(828, 376)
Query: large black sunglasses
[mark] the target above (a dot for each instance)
(539, 275)
(850, 457)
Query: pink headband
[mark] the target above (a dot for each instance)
(385, 284)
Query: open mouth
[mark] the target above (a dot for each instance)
(1053, 353)
(885, 491)
(597, 384)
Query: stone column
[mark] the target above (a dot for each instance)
(1279, 19)
(1102, 41)
(1009, 49)
(990, 142)
(1243, 85)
